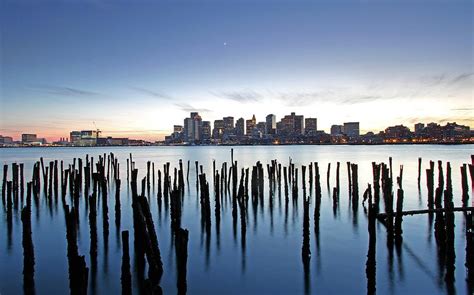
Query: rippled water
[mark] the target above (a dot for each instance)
(271, 261)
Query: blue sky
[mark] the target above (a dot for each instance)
(138, 67)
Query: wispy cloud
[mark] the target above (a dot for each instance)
(440, 120)
(189, 108)
(239, 96)
(152, 93)
(301, 98)
(461, 77)
(463, 109)
(63, 90)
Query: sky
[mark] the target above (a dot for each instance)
(136, 68)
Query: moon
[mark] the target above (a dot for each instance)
(225, 43)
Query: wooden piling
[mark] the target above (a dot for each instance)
(419, 173)
(464, 186)
(328, 174)
(28, 248)
(181, 248)
(78, 271)
(305, 249)
(126, 275)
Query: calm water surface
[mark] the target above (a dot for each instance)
(271, 261)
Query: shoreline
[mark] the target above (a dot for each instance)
(234, 145)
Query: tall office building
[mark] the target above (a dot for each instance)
(291, 125)
(270, 127)
(228, 125)
(351, 129)
(193, 128)
(250, 125)
(218, 130)
(310, 126)
(240, 127)
(206, 130)
(299, 124)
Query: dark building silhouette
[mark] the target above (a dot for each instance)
(28, 138)
(240, 127)
(351, 129)
(310, 126)
(270, 122)
(206, 131)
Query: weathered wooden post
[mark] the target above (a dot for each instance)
(430, 184)
(419, 173)
(464, 185)
(28, 248)
(328, 174)
(370, 266)
(305, 249)
(181, 246)
(338, 164)
(126, 276)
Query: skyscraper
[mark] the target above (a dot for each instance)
(240, 127)
(206, 131)
(299, 124)
(228, 123)
(218, 130)
(270, 126)
(291, 125)
(193, 128)
(250, 125)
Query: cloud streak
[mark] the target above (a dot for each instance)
(189, 108)
(155, 94)
(461, 78)
(64, 91)
(240, 96)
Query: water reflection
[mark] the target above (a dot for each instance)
(280, 196)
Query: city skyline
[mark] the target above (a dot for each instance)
(290, 129)
(132, 68)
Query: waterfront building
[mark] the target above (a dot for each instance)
(337, 130)
(351, 129)
(28, 138)
(310, 126)
(419, 128)
(6, 140)
(398, 133)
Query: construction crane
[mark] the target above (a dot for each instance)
(97, 131)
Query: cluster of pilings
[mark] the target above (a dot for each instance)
(145, 238)
(440, 204)
(78, 270)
